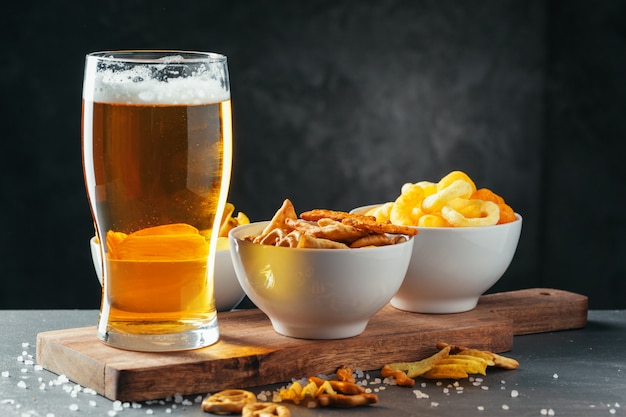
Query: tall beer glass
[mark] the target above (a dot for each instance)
(157, 152)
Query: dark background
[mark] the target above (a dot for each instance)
(336, 104)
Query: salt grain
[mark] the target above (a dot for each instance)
(73, 407)
(505, 407)
(149, 411)
(111, 413)
(484, 387)
(5, 374)
(612, 411)
(21, 384)
(555, 376)
(514, 393)
(420, 394)
(434, 404)
(480, 408)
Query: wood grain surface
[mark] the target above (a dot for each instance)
(250, 353)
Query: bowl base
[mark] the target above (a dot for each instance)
(435, 306)
(341, 331)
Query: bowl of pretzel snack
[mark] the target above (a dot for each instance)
(322, 274)
(228, 292)
(467, 239)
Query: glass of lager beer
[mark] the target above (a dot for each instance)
(157, 154)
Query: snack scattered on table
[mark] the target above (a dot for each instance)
(228, 223)
(328, 229)
(339, 391)
(230, 401)
(450, 362)
(265, 409)
(342, 392)
(454, 201)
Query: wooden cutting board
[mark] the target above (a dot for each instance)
(250, 353)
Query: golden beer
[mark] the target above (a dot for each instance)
(157, 160)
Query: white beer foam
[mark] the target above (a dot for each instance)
(123, 87)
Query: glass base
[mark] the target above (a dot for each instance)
(165, 342)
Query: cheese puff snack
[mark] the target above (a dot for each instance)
(453, 201)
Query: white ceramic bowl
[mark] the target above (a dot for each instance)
(317, 293)
(452, 267)
(228, 292)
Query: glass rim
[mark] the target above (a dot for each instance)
(155, 56)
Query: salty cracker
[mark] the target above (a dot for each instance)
(286, 211)
(317, 214)
(377, 240)
(375, 227)
(308, 241)
(337, 231)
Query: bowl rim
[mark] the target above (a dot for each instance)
(241, 240)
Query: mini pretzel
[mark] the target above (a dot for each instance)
(230, 401)
(347, 401)
(265, 409)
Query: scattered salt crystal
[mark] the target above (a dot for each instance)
(423, 384)
(555, 376)
(198, 399)
(111, 413)
(25, 344)
(617, 405)
(475, 383)
(514, 393)
(149, 411)
(92, 403)
(38, 368)
(505, 407)
(7, 401)
(29, 362)
(5, 374)
(502, 381)
(434, 404)
(480, 408)
(479, 379)
(612, 411)
(187, 402)
(550, 412)
(117, 405)
(42, 386)
(21, 384)
(168, 411)
(178, 398)
(445, 390)
(50, 415)
(73, 407)
(23, 370)
(484, 387)
(20, 359)
(420, 394)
